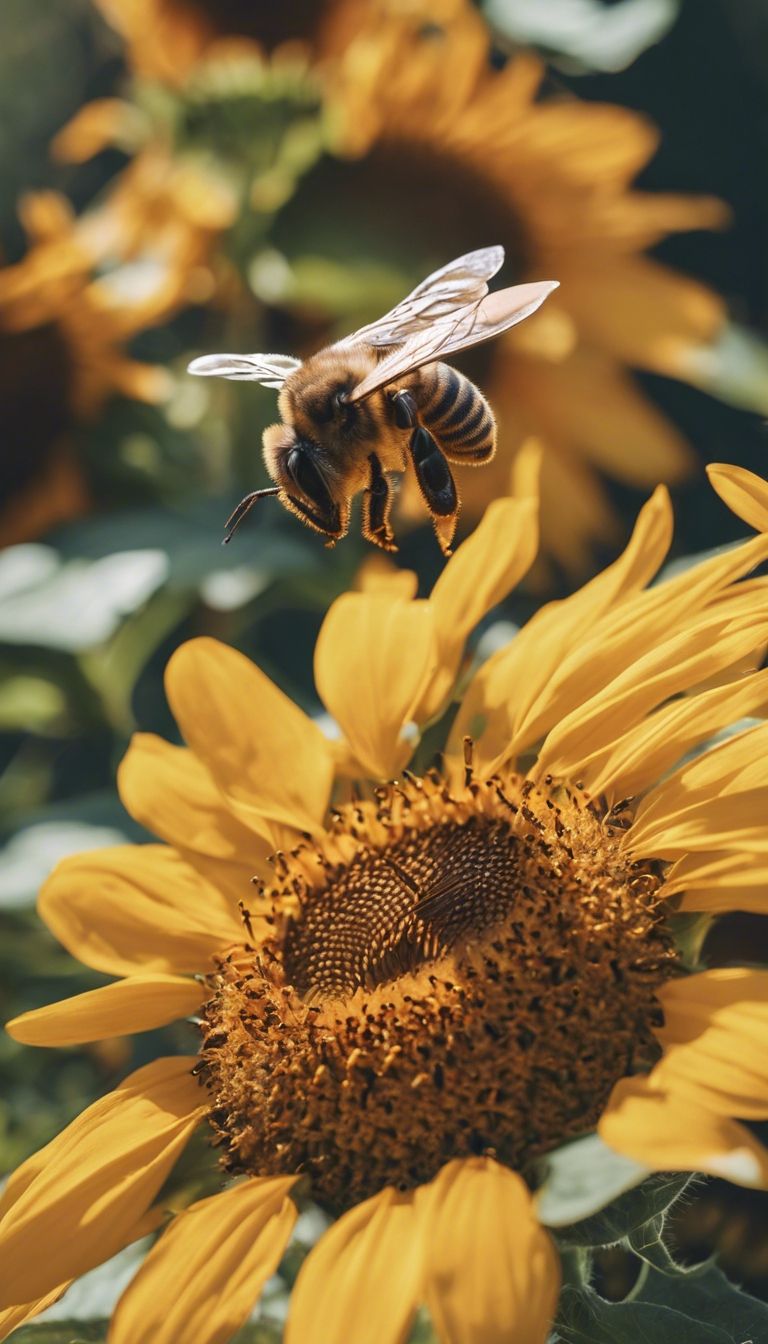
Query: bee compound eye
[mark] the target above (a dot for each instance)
(307, 477)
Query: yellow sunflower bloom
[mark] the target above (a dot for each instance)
(427, 987)
(63, 324)
(167, 39)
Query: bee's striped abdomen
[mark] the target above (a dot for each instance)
(458, 415)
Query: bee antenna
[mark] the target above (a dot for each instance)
(244, 507)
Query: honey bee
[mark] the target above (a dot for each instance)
(380, 400)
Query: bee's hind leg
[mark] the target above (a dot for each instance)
(377, 504)
(437, 485)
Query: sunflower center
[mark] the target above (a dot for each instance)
(415, 204)
(390, 911)
(449, 975)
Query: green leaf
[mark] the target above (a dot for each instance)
(707, 1294)
(586, 1318)
(628, 1214)
(701, 1306)
(73, 604)
(647, 1242)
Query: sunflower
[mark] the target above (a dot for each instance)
(63, 328)
(437, 152)
(411, 985)
(225, 146)
(167, 39)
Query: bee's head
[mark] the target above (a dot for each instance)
(295, 464)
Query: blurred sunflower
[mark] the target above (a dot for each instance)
(206, 160)
(167, 39)
(439, 153)
(435, 981)
(63, 329)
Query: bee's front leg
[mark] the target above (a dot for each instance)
(377, 504)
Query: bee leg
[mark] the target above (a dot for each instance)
(404, 405)
(329, 523)
(436, 484)
(377, 502)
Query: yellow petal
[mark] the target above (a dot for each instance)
(102, 122)
(491, 1271)
(590, 144)
(203, 1277)
(265, 754)
(46, 216)
(646, 315)
(734, 766)
(611, 644)
(78, 1201)
(509, 700)
(361, 1282)
(170, 792)
(375, 654)
(642, 755)
(745, 493)
(714, 1034)
(137, 907)
(16, 1316)
(13, 1317)
(137, 1004)
(591, 402)
(377, 574)
(719, 882)
(483, 570)
(732, 822)
(666, 669)
(669, 1133)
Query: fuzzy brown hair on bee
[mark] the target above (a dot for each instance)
(359, 413)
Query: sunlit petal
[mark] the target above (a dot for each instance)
(268, 758)
(670, 1133)
(361, 1282)
(137, 908)
(375, 655)
(492, 1273)
(203, 1277)
(77, 1202)
(137, 1004)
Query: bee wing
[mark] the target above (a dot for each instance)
(457, 330)
(461, 282)
(269, 370)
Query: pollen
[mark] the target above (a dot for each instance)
(449, 973)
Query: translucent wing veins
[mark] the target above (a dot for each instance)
(269, 370)
(463, 281)
(459, 329)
